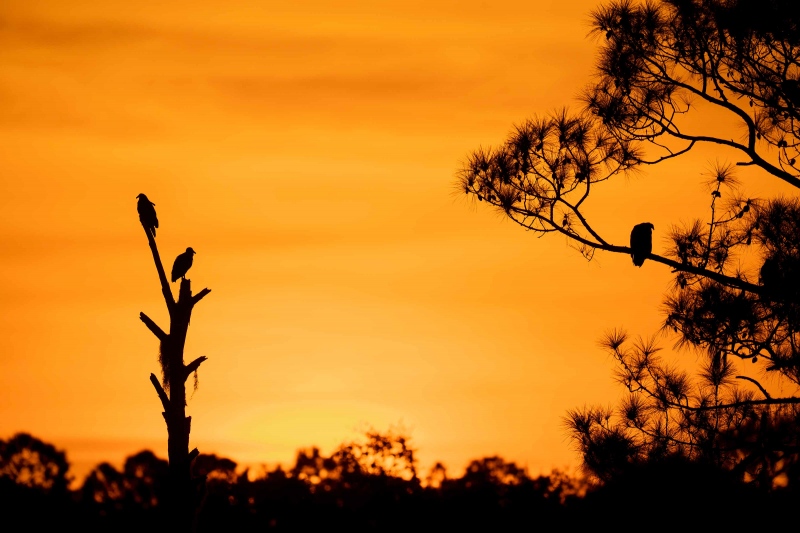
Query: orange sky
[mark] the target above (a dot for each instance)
(307, 152)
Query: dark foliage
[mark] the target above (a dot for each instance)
(735, 301)
(370, 485)
(33, 482)
(676, 494)
(658, 57)
(545, 172)
(367, 485)
(659, 60)
(30, 462)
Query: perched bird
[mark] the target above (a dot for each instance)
(182, 264)
(641, 242)
(770, 274)
(791, 89)
(147, 214)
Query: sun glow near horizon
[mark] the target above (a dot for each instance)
(307, 153)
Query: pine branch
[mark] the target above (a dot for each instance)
(757, 384)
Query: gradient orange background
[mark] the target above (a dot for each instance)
(307, 152)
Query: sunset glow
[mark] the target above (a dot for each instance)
(307, 153)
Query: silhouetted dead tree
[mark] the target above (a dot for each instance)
(185, 493)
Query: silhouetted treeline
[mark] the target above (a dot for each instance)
(370, 485)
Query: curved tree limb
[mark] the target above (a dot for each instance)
(757, 384)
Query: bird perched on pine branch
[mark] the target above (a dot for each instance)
(182, 264)
(147, 214)
(641, 242)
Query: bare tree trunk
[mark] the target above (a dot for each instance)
(185, 493)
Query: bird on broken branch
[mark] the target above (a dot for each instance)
(641, 242)
(182, 264)
(147, 214)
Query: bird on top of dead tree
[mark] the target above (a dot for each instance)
(147, 214)
(641, 242)
(182, 264)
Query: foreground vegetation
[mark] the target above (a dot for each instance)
(369, 485)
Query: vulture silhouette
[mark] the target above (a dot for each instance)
(641, 242)
(791, 90)
(770, 274)
(182, 264)
(147, 214)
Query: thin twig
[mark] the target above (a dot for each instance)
(757, 384)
